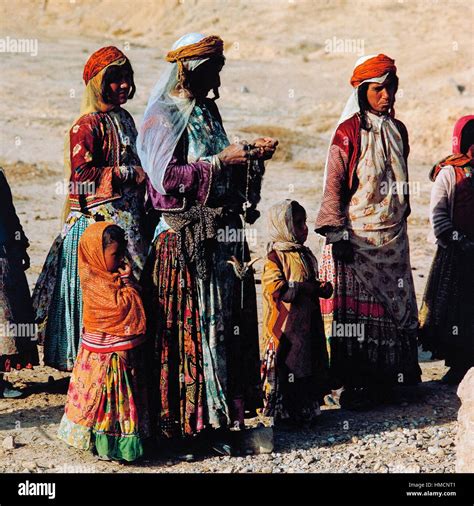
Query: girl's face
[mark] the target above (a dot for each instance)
(299, 226)
(119, 85)
(113, 254)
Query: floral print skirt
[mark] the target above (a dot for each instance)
(106, 405)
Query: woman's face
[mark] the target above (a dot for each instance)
(381, 97)
(120, 82)
(113, 255)
(299, 226)
(205, 78)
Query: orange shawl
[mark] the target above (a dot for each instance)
(108, 306)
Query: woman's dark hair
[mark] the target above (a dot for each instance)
(467, 136)
(364, 103)
(114, 233)
(114, 73)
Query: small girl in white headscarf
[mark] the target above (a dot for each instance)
(295, 365)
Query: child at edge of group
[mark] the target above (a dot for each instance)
(106, 407)
(295, 367)
(17, 349)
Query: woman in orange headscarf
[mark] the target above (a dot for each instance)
(446, 315)
(105, 181)
(106, 406)
(372, 317)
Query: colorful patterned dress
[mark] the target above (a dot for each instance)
(206, 370)
(102, 150)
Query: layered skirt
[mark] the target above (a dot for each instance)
(107, 407)
(366, 346)
(447, 310)
(205, 335)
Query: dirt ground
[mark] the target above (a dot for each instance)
(283, 78)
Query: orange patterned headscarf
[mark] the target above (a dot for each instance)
(374, 67)
(108, 306)
(208, 47)
(99, 60)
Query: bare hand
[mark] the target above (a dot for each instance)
(265, 147)
(125, 269)
(140, 174)
(234, 154)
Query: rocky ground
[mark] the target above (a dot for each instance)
(415, 435)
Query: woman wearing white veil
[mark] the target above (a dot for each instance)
(206, 357)
(372, 317)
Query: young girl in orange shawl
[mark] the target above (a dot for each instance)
(295, 365)
(106, 406)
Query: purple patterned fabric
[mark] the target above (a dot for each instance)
(191, 181)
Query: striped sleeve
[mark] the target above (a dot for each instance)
(441, 202)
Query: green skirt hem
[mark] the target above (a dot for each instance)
(127, 448)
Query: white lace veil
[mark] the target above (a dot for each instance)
(165, 118)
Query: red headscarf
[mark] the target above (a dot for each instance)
(457, 133)
(457, 159)
(108, 305)
(99, 60)
(374, 67)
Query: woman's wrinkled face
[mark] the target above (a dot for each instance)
(113, 255)
(381, 97)
(299, 226)
(205, 78)
(120, 82)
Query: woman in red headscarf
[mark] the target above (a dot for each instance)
(446, 315)
(104, 181)
(372, 317)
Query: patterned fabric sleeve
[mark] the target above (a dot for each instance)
(190, 179)
(87, 155)
(332, 213)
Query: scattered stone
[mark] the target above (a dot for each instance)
(436, 451)
(31, 466)
(9, 443)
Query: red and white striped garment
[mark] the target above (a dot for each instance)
(101, 342)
